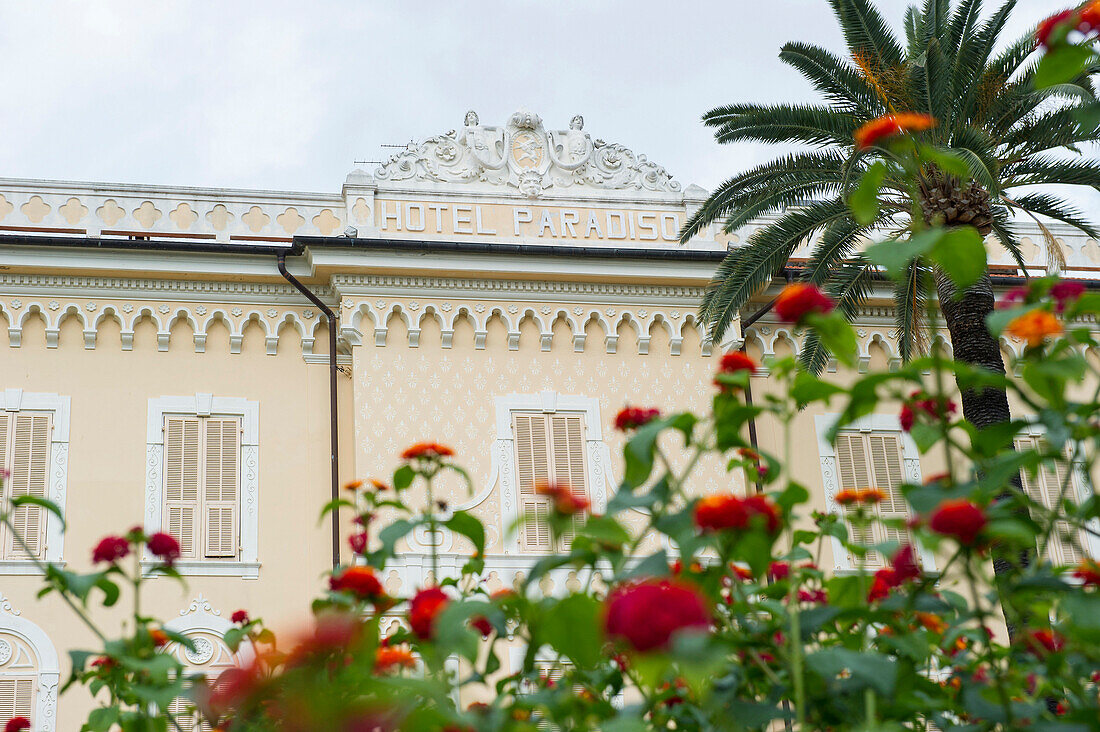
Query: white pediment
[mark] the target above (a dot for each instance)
(524, 156)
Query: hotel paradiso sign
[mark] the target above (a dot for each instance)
(525, 183)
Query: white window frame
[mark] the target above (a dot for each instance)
(247, 565)
(1092, 543)
(15, 401)
(597, 469)
(49, 669)
(823, 424)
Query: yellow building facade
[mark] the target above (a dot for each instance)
(502, 288)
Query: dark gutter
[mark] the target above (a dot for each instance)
(334, 433)
(545, 250)
(202, 246)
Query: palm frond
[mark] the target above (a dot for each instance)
(867, 33)
(836, 79)
(798, 123)
(909, 315)
(1059, 209)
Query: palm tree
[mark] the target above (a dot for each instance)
(1010, 134)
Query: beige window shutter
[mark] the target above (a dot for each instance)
(532, 468)
(874, 460)
(568, 449)
(222, 482)
(5, 489)
(16, 698)
(851, 464)
(1045, 489)
(30, 460)
(182, 468)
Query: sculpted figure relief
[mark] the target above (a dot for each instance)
(526, 157)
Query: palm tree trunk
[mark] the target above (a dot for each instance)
(972, 343)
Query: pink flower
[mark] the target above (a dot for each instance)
(358, 542)
(1066, 292)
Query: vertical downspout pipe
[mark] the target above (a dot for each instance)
(334, 429)
(748, 387)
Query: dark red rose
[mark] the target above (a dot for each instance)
(164, 546)
(884, 580)
(907, 417)
(358, 542)
(424, 608)
(17, 724)
(735, 361)
(779, 571)
(110, 549)
(904, 564)
(761, 506)
(1065, 292)
(631, 418)
(959, 519)
(240, 617)
(647, 614)
(482, 625)
(1013, 297)
(358, 580)
(799, 299)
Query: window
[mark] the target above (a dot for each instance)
(873, 452)
(34, 436)
(1066, 546)
(29, 671)
(202, 483)
(543, 437)
(549, 448)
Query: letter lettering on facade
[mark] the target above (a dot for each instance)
(521, 216)
(630, 220)
(437, 209)
(645, 226)
(481, 228)
(569, 217)
(666, 233)
(463, 224)
(621, 217)
(387, 216)
(418, 208)
(593, 225)
(545, 222)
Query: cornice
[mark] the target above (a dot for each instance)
(134, 288)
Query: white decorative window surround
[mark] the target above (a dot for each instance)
(597, 456)
(29, 669)
(246, 564)
(16, 402)
(872, 423)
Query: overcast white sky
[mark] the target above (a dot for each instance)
(285, 95)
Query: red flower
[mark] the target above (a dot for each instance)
(103, 662)
(735, 361)
(566, 502)
(110, 549)
(1088, 572)
(423, 610)
(164, 546)
(907, 417)
(758, 505)
(959, 519)
(741, 573)
(1013, 296)
(721, 511)
(884, 580)
(631, 418)
(17, 724)
(799, 299)
(817, 597)
(160, 638)
(647, 614)
(386, 659)
(1047, 27)
(240, 617)
(427, 451)
(1049, 641)
(779, 571)
(358, 542)
(904, 564)
(1090, 17)
(482, 625)
(891, 125)
(1065, 292)
(358, 580)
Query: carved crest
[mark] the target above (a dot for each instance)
(527, 157)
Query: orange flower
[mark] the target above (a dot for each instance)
(932, 622)
(428, 451)
(379, 485)
(566, 502)
(892, 125)
(159, 637)
(1088, 572)
(387, 659)
(872, 495)
(848, 496)
(1035, 326)
(353, 485)
(798, 299)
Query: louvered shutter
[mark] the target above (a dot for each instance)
(5, 484)
(30, 459)
(182, 710)
(851, 463)
(16, 698)
(532, 468)
(874, 460)
(222, 480)
(1045, 489)
(567, 446)
(182, 466)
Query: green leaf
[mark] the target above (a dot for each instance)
(572, 627)
(470, 527)
(895, 255)
(864, 200)
(961, 254)
(50, 506)
(655, 565)
(836, 334)
(949, 162)
(998, 320)
(868, 668)
(807, 389)
(792, 495)
(1062, 64)
(101, 719)
(403, 477)
(334, 506)
(1088, 117)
